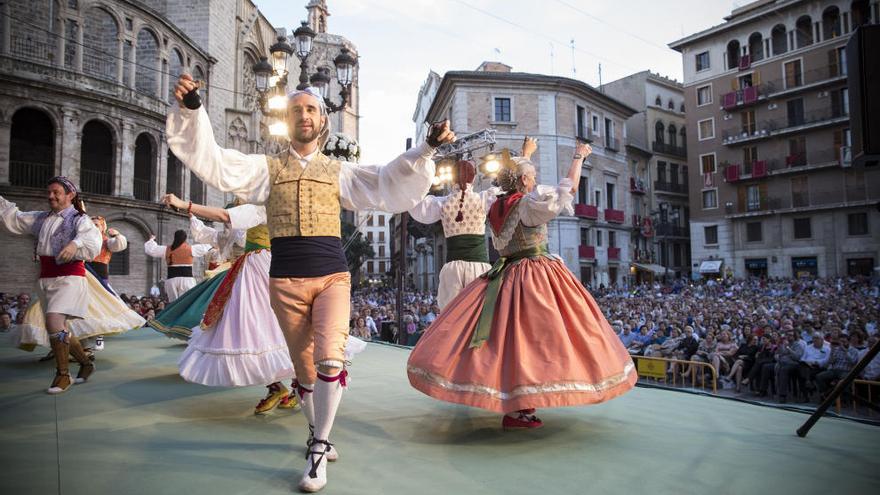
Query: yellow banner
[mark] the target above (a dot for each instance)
(652, 368)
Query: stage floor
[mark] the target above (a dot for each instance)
(138, 428)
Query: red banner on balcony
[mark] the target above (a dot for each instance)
(587, 252)
(586, 211)
(750, 95)
(614, 253)
(647, 228)
(728, 100)
(745, 62)
(731, 173)
(759, 169)
(614, 216)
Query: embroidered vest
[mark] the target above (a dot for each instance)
(524, 237)
(303, 201)
(473, 215)
(65, 232)
(180, 256)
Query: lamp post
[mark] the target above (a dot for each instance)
(271, 77)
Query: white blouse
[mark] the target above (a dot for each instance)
(88, 238)
(393, 188)
(445, 209)
(154, 250)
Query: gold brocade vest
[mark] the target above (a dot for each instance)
(303, 201)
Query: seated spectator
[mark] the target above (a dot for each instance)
(725, 353)
(666, 347)
(841, 359)
(640, 342)
(788, 356)
(872, 371)
(814, 360)
(626, 336)
(5, 321)
(745, 358)
(360, 329)
(704, 353)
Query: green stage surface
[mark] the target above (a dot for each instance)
(138, 428)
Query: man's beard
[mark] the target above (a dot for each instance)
(304, 136)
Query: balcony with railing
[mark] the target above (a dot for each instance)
(666, 229)
(857, 194)
(614, 216)
(670, 187)
(741, 98)
(142, 189)
(637, 186)
(805, 80)
(96, 181)
(586, 252)
(801, 162)
(669, 149)
(614, 254)
(781, 127)
(749, 170)
(590, 212)
(30, 174)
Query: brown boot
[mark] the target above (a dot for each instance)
(86, 366)
(62, 379)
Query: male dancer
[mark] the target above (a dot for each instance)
(65, 237)
(304, 191)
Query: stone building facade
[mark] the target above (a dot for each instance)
(774, 190)
(595, 243)
(85, 86)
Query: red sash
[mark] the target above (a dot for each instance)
(50, 269)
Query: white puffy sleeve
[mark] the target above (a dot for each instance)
(246, 216)
(545, 203)
(428, 210)
(203, 234)
(117, 244)
(15, 221)
(393, 188)
(191, 139)
(88, 239)
(489, 196)
(153, 249)
(199, 250)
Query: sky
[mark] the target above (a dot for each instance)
(400, 41)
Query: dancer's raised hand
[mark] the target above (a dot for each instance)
(530, 145)
(440, 133)
(184, 85)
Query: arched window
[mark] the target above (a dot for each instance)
(100, 44)
(684, 141)
(804, 31)
(147, 57)
(196, 189)
(756, 47)
(681, 107)
(96, 158)
(779, 38)
(36, 38)
(831, 23)
(199, 75)
(659, 133)
(144, 157)
(658, 101)
(673, 135)
(670, 105)
(733, 52)
(176, 69)
(31, 148)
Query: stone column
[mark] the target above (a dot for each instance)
(120, 63)
(4, 23)
(185, 183)
(124, 179)
(78, 59)
(71, 143)
(5, 141)
(161, 168)
(132, 72)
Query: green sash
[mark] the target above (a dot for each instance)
(467, 247)
(496, 276)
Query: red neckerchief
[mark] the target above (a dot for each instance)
(501, 209)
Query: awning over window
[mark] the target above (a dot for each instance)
(711, 266)
(650, 267)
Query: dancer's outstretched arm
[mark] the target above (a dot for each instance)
(207, 212)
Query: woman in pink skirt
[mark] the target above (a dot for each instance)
(526, 334)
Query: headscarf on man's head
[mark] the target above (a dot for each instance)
(69, 187)
(312, 91)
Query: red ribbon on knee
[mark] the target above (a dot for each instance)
(330, 379)
(302, 391)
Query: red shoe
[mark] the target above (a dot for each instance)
(522, 421)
